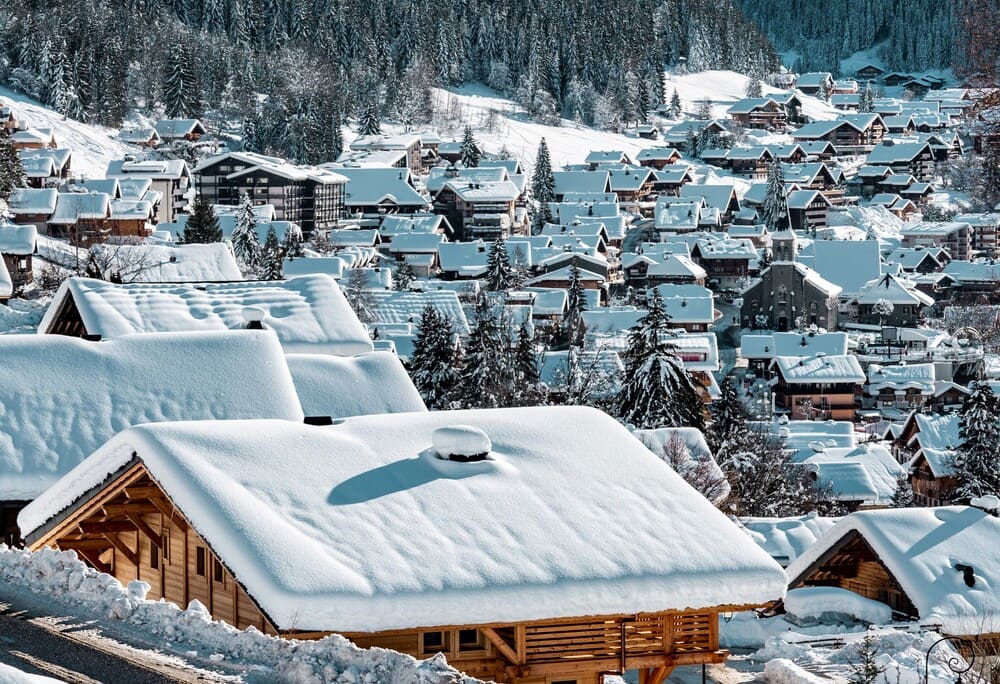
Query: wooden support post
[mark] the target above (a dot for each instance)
(658, 675)
(509, 653)
(93, 557)
(144, 527)
(122, 547)
(521, 641)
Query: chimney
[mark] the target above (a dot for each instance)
(461, 444)
(254, 317)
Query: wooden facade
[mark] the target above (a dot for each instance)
(131, 529)
(852, 564)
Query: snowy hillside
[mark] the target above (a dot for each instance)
(93, 146)
(499, 122)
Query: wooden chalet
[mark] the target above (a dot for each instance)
(171, 130)
(850, 134)
(389, 585)
(17, 245)
(869, 72)
(819, 387)
(762, 113)
(936, 565)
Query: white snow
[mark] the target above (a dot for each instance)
(366, 384)
(11, 675)
(723, 88)
(784, 671)
(308, 313)
(93, 146)
(70, 587)
(785, 539)
(149, 263)
(812, 602)
(395, 541)
(62, 397)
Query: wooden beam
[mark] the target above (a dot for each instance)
(144, 527)
(168, 511)
(93, 543)
(142, 491)
(122, 547)
(509, 653)
(115, 510)
(94, 558)
(107, 526)
(521, 643)
(659, 674)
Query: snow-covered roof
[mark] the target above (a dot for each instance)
(150, 263)
(332, 266)
(158, 169)
(599, 371)
(973, 271)
(407, 306)
(376, 186)
(308, 313)
(17, 239)
(918, 376)
(848, 263)
(898, 152)
(396, 224)
(688, 303)
(895, 290)
(502, 191)
(366, 384)
(767, 346)
(865, 473)
(785, 539)
(64, 397)
(464, 258)
(416, 243)
(138, 135)
(820, 368)
(921, 547)
(374, 526)
(439, 175)
(29, 201)
(251, 162)
(177, 128)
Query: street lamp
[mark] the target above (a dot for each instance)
(954, 663)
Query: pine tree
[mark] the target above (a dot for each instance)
(774, 213)
(525, 358)
(470, 149)
(434, 364)
(271, 266)
(202, 225)
(370, 123)
(729, 430)
(543, 187)
(246, 243)
(11, 170)
(175, 95)
(977, 468)
(866, 668)
(866, 101)
(404, 276)
(291, 246)
(483, 380)
(657, 391)
(691, 147)
(499, 273)
(903, 496)
(753, 89)
(676, 109)
(251, 136)
(577, 304)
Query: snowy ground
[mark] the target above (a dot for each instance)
(93, 146)
(58, 583)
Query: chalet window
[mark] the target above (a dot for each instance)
(217, 571)
(154, 556)
(165, 536)
(470, 640)
(433, 642)
(199, 562)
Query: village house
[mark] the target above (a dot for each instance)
(816, 83)
(8, 119)
(310, 196)
(853, 477)
(909, 158)
(985, 229)
(818, 387)
(373, 192)
(481, 210)
(759, 113)
(750, 162)
(662, 613)
(728, 261)
(906, 303)
(83, 217)
(936, 565)
(953, 236)
(721, 197)
(407, 149)
(17, 245)
(850, 134)
(670, 180)
(47, 167)
(172, 130)
(170, 179)
(598, 158)
(900, 387)
(928, 442)
(869, 72)
(146, 138)
(658, 157)
(33, 139)
(760, 349)
(32, 206)
(690, 307)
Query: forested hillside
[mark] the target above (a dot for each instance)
(912, 34)
(320, 61)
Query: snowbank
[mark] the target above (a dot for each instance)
(784, 671)
(69, 583)
(813, 602)
(10, 675)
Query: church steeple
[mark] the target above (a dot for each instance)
(784, 245)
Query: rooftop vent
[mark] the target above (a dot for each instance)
(254, 317)
(461, 443)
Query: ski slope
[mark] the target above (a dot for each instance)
(93, 146)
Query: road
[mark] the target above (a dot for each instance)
(72, 651)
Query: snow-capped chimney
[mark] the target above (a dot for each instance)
(254, 317)
(461, 443)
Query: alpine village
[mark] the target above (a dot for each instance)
(515, 341)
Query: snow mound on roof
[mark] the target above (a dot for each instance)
(813, 602)
(353, 386)
(62, 397)
(395, 543)
(785, 671)
(86, 593)
(148, 263)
